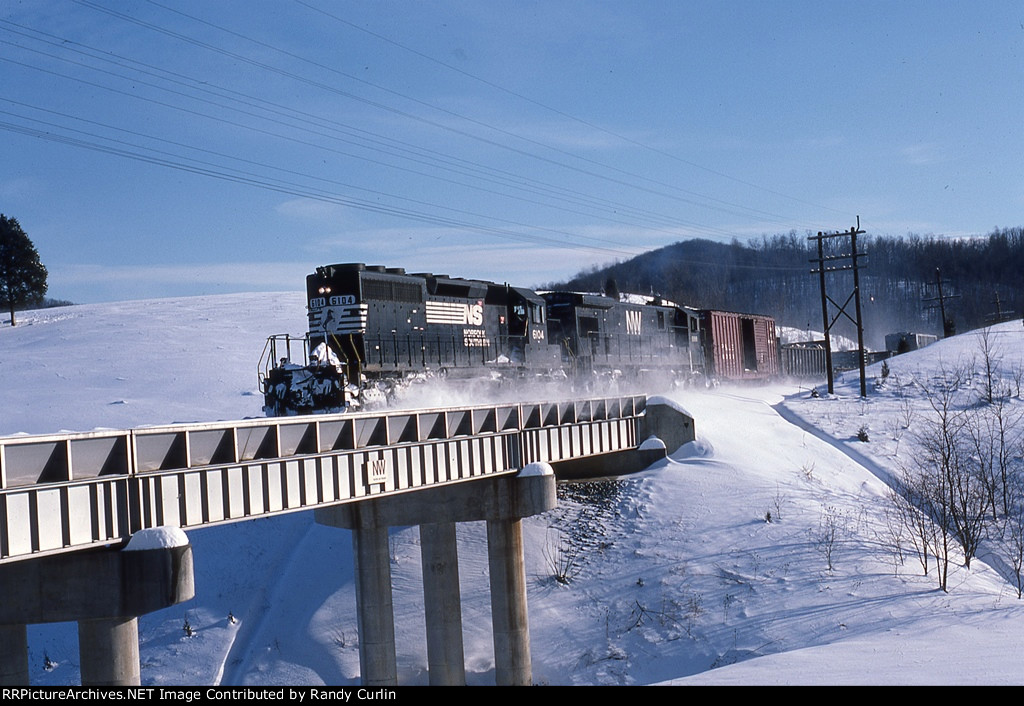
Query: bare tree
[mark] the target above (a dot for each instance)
(893, 536)
(1008, 430)
(962, 471)
(1013, 533)
(990, 365)
(980, 452)
(994, 436)
(907, 501)
(946, 481)
(969, 481)
(1017, 373)
(900, 423)
(906, 414)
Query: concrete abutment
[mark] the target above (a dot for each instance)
(104, 591)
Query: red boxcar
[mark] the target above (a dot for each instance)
(739, 346)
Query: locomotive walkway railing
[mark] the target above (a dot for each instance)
(71, 491)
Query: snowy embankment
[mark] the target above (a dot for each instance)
(759, 554)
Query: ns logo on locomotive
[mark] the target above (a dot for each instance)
(372, 329)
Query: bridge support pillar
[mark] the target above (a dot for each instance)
(500, 500)
(104, 591)
(108, 650)
(446, 662)
(512, 666)
(376, 614)
(13, 655)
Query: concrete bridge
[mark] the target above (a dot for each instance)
(70, 503)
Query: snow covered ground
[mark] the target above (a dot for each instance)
(675, 574)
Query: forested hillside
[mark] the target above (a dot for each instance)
(773, 276)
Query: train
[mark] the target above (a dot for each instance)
(374, 329)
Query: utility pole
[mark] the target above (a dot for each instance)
(841, 266)
(948, 326)
(999, 315)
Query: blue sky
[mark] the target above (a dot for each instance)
(157, 148)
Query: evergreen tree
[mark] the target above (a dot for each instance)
(22, 275)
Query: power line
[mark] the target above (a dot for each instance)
(555, 196)
(556, 111)
(432, 123)
(504, 179)
(179, 162)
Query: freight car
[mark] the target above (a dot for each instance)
(739, 346)
(373, 329)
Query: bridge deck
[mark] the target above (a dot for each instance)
(62, 492)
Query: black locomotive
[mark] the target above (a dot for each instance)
(623, 334)
(372, 328)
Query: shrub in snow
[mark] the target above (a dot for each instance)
(862, 434)
(778, 500)
(808, 470)
(831, 527)
(562, 557)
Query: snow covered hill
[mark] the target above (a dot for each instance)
(144, 362)
(676, 574)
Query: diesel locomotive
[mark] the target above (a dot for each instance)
(372, 329)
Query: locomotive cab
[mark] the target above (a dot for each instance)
(337, 315)
(523, 329)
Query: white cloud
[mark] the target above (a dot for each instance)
(923, 153)
(312, 210)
